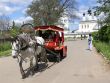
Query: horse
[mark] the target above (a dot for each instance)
(24, 46)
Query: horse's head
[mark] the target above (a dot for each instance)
(15, 47)
(20, 43)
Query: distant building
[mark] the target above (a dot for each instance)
(88, 23)
(64, 23)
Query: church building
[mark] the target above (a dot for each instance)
(88, 23)
(64, 23)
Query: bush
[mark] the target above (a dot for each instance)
(95, 35)
(5, 53)
(103, 48)
(14, 31)
(104, 34)
(5, 46)
(108, 34)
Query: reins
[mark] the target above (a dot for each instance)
(21, 48)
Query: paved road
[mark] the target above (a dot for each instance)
(81, 66)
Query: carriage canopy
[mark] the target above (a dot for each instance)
(51, 27)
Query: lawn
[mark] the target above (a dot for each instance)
(103, 48)
(5, 53)
(5, 48)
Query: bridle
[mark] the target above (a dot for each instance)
(22, 45)
(20, 48)
(17, 47)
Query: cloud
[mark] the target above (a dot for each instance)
(23, 19)
(24, 11)
(18, 2)
(84, 5)
(82, 9)
(8, 7)
(4, 9)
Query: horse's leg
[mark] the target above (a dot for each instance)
(21, 69)
(31, 66)
(36, 57)
(45, 56)
(46, 59)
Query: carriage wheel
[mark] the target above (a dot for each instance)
(58, 57)
(43, 57)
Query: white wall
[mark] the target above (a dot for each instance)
(64, 24)
(87, 26)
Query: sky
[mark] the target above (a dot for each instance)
(82, 7)
(16, 10)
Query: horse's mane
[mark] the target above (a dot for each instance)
(23, 40)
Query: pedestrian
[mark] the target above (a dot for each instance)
(84, 36)
(90, 42)
(81, 36)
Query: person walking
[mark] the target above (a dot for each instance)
(90, 42)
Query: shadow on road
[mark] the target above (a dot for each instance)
(41, 67)
(38, 68)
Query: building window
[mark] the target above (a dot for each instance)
(88, 26)
(82, 26)
(65, 21)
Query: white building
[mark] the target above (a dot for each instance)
(64, 23)
(88, 24)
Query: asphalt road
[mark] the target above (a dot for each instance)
(80, 66)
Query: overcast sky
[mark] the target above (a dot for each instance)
(15, 9)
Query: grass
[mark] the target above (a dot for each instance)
(103, 48)
(5, 48)
(5, 53)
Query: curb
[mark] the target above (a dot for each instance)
(108, 61)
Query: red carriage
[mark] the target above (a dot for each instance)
(54, 40)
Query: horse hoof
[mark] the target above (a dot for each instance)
(24, 76)
(31, 73)
(46, 65)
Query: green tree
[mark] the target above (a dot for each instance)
(103, 34)
(14, 30)
(104, 8)
(108, 34)
(4, 23)
(13, 24)
(95, 36)
(48, 12)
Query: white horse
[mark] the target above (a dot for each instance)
(23, 46)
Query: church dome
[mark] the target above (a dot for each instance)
(89, 16)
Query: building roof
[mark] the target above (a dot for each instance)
(88, 21)
(96, 27)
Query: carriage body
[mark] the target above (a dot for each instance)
(54, 39)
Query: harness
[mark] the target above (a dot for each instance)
(23, 45)
(23, 41)
(19, 50)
